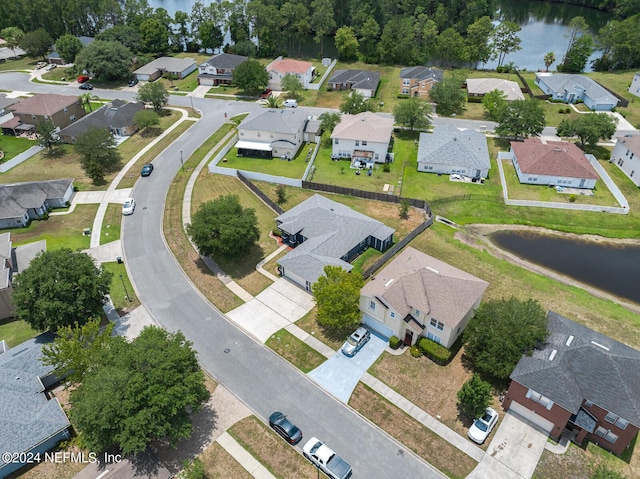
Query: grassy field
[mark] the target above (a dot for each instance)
(270, 166)
(15, 332)
(12, 146)
(111, 224)
(298, 353)
(124, 300)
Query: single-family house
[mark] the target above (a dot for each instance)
(13, 261)
(116, 115)
(55, 58)
(362, 81)
(280, 67)
(626, 154)
(22, 202)
(218, 70)
(180, 67)
(5, 114)
(365, 136)
(581, 381)
(479, 87)
(61, 110)
(451, 150)
(418, 81)
(32, 421)
(634, 88)
(417, 295)
(555, 163)
(571, 88)
(323, 233)
(272, 133)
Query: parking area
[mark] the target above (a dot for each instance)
(339, 374)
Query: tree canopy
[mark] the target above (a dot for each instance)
(154, 93)
(105, 60)
(494, 103)
(60, 288)
(521, 119)
(13, 36)
(251, 76)
(98, 152)
(501, 332)
(413, 113)
(355, 103)
(474, 396)
(505, 40)
(146, 119)
(292, 85)
(337, 294)
(346, 43)
(449, 97)
(37, 43)
(68, 47)
(223, 227)
(139, 392)
(589, 128)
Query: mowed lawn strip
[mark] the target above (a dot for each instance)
(219, 464)
(111, 224)
(421, 440)
(298, 353)
(271, 450)
(123, 296)
(15, 332)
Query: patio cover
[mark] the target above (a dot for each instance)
(25, 127)
(254, 145)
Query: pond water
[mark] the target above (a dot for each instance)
(614, 268)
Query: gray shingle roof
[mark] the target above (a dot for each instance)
(450, 146)
(117, 114)
(288, 120)
(226, 60)
(591, 367)
(422, 73)
(27, 417)
(170, 64)
(362, 79)
(560, 82)
(482, 86)
(16, 198)
(332, 230)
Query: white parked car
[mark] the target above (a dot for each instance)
(355, 342)
(128, 206)
(482, 426)
(290, 103)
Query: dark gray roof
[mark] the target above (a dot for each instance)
(5, 102)
(24, 254)
(16, 198)
(288, 120)
(117, 114)
(560, 82)
(332, 230)
(450, 146)
(27, 417)
(360, 79)
(590, 366)
(422, 73)
(226, 60)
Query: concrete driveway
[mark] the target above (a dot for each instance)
(339, 375)
(514, 451)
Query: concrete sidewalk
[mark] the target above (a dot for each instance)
(245, 459)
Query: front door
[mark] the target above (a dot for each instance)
(408, 338)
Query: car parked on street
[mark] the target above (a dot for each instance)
(86, 86)
(128, 206)
(356, 341)
(326, 460)
(285, 428)
(146, 169)
(83, 78)
(482, 426)
(290, 103)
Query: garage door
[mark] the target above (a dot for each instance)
(539, 421)
(377, 327)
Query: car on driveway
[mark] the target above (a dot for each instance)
(266, 93)
(285, 428)
(51, 66)
(146, 170)
(83, 78)
(356, 341)
(128, 206)
(40, 65)
(133, 82)
(482, 426)
(86, 86)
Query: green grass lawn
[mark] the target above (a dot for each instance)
(21, 64)
(111, 224)
(270, 166)
(60, 74)
(123, 299)
(298, 353)
(12, 146)
(15, 332)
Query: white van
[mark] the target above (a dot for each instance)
(290, 103)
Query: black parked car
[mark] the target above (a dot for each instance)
(86, 86)
(133, 82)
(146, 169)
(285, 428)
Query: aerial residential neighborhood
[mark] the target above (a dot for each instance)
(319, 239)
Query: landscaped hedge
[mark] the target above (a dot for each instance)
(434, 351)
(415, 351)
(403, 95)
(394, 342)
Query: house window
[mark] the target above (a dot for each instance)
(336, 141)
(423, 84)
(602, 432)
(364, 143)
(392, 314)
(433, 322)
(622, 423)
(405, 82)
(377, 156)
(72, 118)
(588, 403)
(434, 338)
(632, 172)
(417, 313)
(440, 326)
(65, 109)
(405, 91)
(372, 305)
(242, 133)
(33, 117)
(357, 142)
(610, 417)
(611, 437)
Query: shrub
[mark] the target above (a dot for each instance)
(415, 351)
(394, 342)
(403, 95)
(386, 167)
(434, 351)
(276, 232)
(567, 110)
(572, 198)
(561, 111)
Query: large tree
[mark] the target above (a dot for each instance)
(474, 396)
(589, 128)
(329, 120)
(292, 85)
(13, 36)
(140, 391)
(128, 35)
(37, 43)
(355, 103)
(146, 119)
(346, 44)
(505, 40)
(501, 332)
(60, 288)
(449, 97)
(575, 60)
(154, 93)
(49, 138)
(494, 103)
(98, 152)
(210, 35)
(223, 227)
(521, 119)
(251, 76)
(549, 58)
(337, 294)
(413, 113)
(105, 60)
(154, 37)
(68, 47)
(451, 47)
(322, 21)
(477, 40)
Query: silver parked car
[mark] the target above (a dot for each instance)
(482, 426)
(355, 342)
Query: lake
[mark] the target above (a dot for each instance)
(610, 267)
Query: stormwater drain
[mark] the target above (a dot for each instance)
(227, 350)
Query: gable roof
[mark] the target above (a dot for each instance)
(422, 73)
(482, 86)
(27, 417)
(449, 145)
(564, 82)
(552, 158)
(226, 60)
(415, 280)
(331, 230)
(288, 120)
(586, 366)
(631, 143)
(365, 126)
(170, 64)
(285, 65)
(117, 114)
(6, 102)
(43, 104)
(360, 79)
(17, 198)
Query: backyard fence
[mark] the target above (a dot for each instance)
(258, 192)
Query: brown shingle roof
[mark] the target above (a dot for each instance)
(632, 143)
(365, 126)
(44, 104)
(552, 158)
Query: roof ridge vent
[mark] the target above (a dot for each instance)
(433, 270)
(557, 148)
(600, 345)
(553, 354)
(569, 340)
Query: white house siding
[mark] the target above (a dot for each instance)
(530, 179)
(449, 169)
(381, 315)
(627, 161)
(205, 81)
(300, 281)
(345, 148)
(269, 137)
(275, 79)
(594, 106)
(365, 92)
(634, 89)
